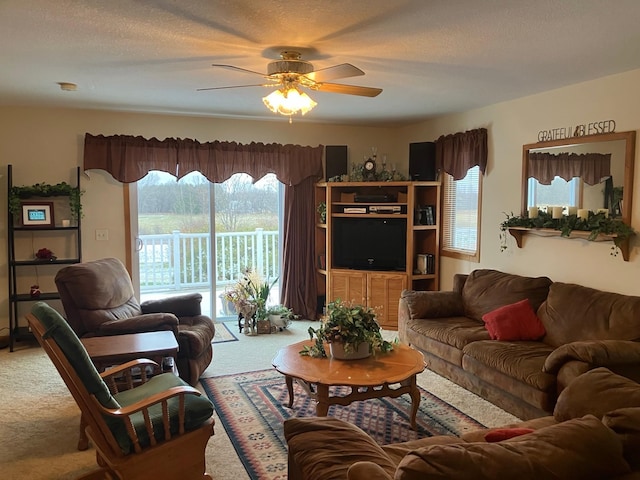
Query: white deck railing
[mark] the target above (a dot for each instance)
(181, 261)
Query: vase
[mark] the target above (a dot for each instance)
(338, 351)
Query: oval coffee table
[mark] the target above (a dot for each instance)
(382, 375)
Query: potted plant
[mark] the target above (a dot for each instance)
(249, 296)
(348, 328)
(280, 316)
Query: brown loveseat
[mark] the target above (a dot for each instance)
(584, 328)
(593, 434)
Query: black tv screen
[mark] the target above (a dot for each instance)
(370, 243)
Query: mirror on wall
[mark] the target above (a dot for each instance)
(592, 172)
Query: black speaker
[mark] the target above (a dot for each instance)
(422, 161)
(336, 161)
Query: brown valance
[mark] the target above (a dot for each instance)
(128, 158)
(458, 152)
(592, 168)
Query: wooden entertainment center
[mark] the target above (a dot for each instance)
(351, 279)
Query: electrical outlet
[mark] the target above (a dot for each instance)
(102, 234)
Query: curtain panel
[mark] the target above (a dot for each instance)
(592, 168)
(128, 158)
(458, 152)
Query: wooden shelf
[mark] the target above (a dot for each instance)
(519, 232)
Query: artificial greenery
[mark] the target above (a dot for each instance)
(19, 193)
(596, 224)
(322, 210)
(350, 324)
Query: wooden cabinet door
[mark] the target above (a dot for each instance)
(348, 286)
(383, 293)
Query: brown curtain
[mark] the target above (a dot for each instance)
(129, 158)
(458, 152)
(299, 290)
(592, 168)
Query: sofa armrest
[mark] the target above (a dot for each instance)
(325, 447)
(367, 471)
(187, 305)
(151, 322)
(597, 353)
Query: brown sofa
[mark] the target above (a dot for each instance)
(585, 328)
(593, 434)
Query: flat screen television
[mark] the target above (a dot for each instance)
(370, 243)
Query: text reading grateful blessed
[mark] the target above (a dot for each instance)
(593, 128)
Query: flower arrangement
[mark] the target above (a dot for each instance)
(596, 223)
(350, 324)
(45, 254)
(250, 291)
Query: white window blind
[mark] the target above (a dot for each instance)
(460, 213)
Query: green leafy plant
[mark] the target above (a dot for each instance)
(596, 224)
(350, 324)
(19, 193)
(322, 211)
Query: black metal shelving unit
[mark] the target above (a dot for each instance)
(17, 331)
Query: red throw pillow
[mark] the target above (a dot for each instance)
(500, 434)
(517, 321)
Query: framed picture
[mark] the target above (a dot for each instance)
(37, 214)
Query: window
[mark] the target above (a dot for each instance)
(461, 216)
(560, 192)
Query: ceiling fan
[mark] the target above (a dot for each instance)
(291, 73)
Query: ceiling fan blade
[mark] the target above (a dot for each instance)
(343, 70)
(231, 67)
(349, 89)
(236, 86)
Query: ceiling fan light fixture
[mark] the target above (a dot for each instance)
(289, 101)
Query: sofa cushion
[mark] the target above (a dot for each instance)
(486, 290)
(611, 316)
(500, 434)
(516, 321)
(454, 331)
(316, 442)
(522, 361)
(626, 423)
(580, 448)
(596, 392)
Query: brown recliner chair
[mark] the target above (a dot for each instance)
(98, 299)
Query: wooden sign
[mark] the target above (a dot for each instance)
(593, 128)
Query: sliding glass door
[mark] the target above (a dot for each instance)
(194, 236)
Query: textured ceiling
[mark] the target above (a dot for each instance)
(430, 57)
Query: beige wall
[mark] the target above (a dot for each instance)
(515, 123)
(45, 145)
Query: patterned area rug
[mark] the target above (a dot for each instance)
(223, 334)
(252, 409)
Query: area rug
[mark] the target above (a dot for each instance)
(252, 408)
(223, 334)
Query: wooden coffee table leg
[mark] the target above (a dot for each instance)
(322, 400)
(289, 382)
(415, 400)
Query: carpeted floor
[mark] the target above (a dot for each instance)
(252, 408)
(39, 419)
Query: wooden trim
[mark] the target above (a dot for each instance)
(127, 229)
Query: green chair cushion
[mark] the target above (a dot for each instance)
(58, 329)
(198, 409)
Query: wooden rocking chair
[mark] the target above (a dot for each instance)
(156, 430)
